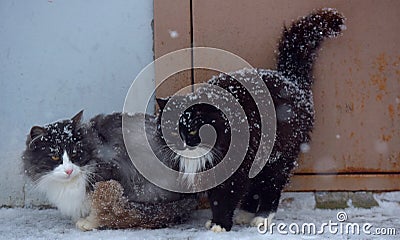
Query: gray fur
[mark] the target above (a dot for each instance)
(98, 149)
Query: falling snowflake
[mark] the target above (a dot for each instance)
(173, 34)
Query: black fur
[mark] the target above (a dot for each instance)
(290, 88)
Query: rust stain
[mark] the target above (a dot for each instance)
(379, 97)
(391, 111)
(352, 134)
(379, 78)
(386, 138)
(381, 62)
(394, 159)
(396, 64)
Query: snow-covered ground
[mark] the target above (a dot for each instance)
(25, 223)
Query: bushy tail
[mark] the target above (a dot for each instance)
(298, 45)
(112, 209)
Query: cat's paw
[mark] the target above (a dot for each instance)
(217, 228)
(257, 221)
(208, 224)
(214, 227)
(243, 217)
(86, 224)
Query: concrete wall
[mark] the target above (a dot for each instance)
(58, 57)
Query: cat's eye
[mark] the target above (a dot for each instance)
(193, 132)
(74, 153)
(55, 158)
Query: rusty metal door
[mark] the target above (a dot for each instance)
(356, 141)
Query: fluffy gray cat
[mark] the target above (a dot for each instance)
(67, 158)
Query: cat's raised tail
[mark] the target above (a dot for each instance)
(298, 44)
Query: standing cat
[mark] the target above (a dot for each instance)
(67, 158)
(290, 88)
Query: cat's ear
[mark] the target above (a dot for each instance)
(77, 118)
(162, 102)
(36, 132)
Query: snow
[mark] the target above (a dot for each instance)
(305, 147)
(25, 223)
(173, 34)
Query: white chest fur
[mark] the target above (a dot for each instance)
(193, 161)
(70, 197)
(65, 187)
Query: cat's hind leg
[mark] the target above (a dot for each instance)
(248, 207)
(269, 201)
(243, 217)
(258, 208)
(270, 184)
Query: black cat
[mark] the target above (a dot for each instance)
(290, 88)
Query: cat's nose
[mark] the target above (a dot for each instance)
(69, 171)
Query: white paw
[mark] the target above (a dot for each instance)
(217, 228)
(214, 227)
(86, 225)
(208, 224)
(243, 217)
(255, 222)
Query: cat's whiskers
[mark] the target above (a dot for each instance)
(166, 151)
(89, 174)
(43, 180)
(90, 178)
(216, 154)
(193, 161)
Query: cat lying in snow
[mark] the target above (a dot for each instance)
(73, 163)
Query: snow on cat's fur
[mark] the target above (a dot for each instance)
(66, 159)
(290, 86)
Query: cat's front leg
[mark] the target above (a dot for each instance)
(88, 223)
(223, 201)
(91, 221)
